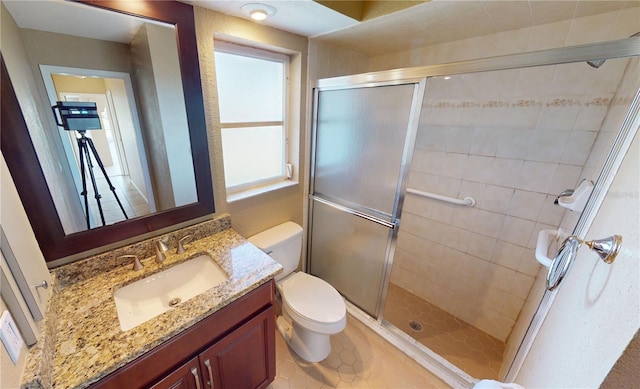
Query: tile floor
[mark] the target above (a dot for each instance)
(467, 347)
(359, 359)
(133, 203)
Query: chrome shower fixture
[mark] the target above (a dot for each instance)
(607, 249)
(596, 63)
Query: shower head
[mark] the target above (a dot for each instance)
(596, 63)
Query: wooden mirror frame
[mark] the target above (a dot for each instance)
(30, 182)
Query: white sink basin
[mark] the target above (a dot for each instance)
(153, 295)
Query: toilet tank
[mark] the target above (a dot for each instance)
(283, 243)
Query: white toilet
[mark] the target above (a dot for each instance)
(312, 309)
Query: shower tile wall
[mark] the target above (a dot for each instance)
(618, 109)
(606, 26)
(512, 140)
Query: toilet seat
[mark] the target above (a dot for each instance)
(313, 303)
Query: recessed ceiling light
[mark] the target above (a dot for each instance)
(257, 11)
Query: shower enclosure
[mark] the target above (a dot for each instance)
(429, 187)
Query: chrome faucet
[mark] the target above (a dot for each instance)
(564, 193)
(137, 265)
(184, 240)
(161, 248)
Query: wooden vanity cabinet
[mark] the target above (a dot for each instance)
(239, 360)
(234, 347)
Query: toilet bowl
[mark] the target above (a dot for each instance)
(312, 309)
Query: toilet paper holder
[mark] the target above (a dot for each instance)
(607, 249)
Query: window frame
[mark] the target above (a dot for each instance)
(285, 59)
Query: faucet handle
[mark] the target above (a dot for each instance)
(184, 240)
(137, 265)
(161, 247)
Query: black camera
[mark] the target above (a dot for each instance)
(76, 115)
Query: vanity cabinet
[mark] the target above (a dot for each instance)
(234, 347)
(240, 360)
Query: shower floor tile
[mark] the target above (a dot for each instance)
(359, 358)
(472, 350)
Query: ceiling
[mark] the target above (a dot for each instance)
(303, 17)
(88, 22)
(421, 24)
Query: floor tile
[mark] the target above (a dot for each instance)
(359, 358)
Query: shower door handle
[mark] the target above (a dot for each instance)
(354, 212)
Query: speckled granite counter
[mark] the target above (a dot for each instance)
(82, 340)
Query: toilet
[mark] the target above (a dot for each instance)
(312, 310)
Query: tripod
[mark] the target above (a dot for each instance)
(84, 146)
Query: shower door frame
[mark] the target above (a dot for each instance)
(622, 48)
(407, 155)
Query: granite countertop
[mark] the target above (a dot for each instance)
(82, 330)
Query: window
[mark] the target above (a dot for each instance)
(252, 93)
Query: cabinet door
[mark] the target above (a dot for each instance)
(186, 376)
(243, 359)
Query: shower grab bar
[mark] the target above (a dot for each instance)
(467, 201)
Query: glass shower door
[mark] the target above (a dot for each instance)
(363, 140)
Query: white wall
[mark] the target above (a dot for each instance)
(166, 72)
(11, 373)
(31, 261)
(333, 61)
(128, 134)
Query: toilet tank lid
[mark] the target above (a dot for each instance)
(276, 234)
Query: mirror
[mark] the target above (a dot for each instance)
(153, 135)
